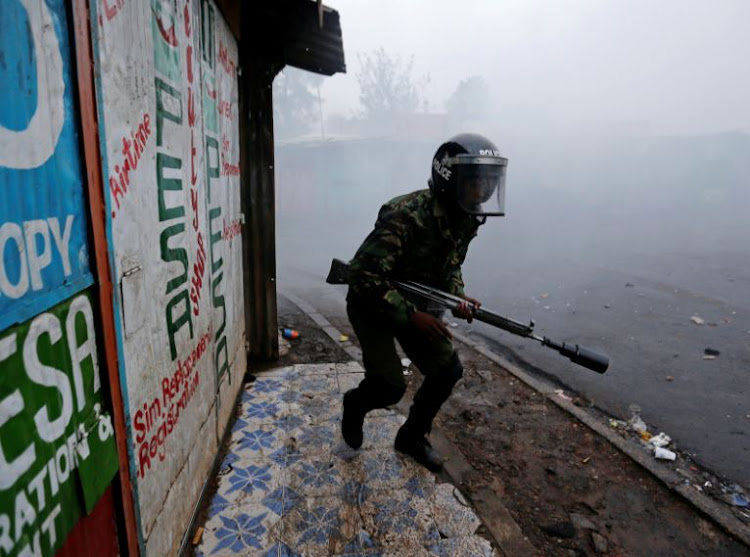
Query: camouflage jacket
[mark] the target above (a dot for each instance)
(413, 239)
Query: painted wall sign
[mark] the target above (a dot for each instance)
(57, 448)
(43, 255)
(170, 140)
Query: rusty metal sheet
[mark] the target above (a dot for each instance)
(43, 250)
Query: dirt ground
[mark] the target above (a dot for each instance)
(569, 490)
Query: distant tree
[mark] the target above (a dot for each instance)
(470, 100)
(387, 87)
(296, 104)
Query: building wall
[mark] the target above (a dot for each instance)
(167, 101)
(57, 450)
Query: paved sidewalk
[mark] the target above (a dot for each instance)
(290, 486)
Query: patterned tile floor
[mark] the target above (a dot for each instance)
(289, 485)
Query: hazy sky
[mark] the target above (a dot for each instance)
(669, 66)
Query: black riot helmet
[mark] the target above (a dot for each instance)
(469, 173)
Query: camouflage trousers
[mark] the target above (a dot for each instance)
(384, 382)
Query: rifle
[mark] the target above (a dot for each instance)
(577, 354)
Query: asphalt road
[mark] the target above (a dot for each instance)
(628, 289)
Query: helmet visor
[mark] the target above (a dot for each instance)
(480, 184)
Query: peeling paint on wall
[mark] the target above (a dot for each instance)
(57, 449)
(168, 108)
(43, 248)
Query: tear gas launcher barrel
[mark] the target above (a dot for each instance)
(576, 353)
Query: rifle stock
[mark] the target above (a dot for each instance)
(577, 354)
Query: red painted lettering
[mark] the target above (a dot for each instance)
(162, 416)
(115, 191)
(144, 461)
(111, 7)
(139, 426)
(225, 109)
(190, 63)
(193, 153)
(132, 149)
(191, 108)
(186, 14)
(226, 62)
(199, 269)
(166, 392)
(154, 412)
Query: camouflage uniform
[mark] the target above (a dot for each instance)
(414, 239)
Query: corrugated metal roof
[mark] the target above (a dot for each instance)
(317, 49)
(288, 32)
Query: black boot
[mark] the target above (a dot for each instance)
(419, 448)
(352, 420)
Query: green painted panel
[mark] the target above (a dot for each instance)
(57, 448)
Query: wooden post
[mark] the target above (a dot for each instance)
(258, 199)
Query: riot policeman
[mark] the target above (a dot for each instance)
(423, 237)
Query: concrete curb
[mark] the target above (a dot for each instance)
(721, 516)
(669, 478)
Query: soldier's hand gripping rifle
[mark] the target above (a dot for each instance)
(576, 353)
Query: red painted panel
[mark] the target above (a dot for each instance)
(96, 534)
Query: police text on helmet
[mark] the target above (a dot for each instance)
(441, 169)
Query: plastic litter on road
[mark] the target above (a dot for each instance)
(290, 334)
(664, 454)
(661, 440)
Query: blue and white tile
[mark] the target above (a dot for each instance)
(270, 385)
(227, 464)
(246, 530)
(351, 366)
(282, 500)
(280, 549)
(289, 396)
(315, 439)
(361, 546)
(386, 469)
(325, 475)
(313, 385)
(468, 546)
(316, 369)
(287, 454)
(249, 395)
(354, 492)
(453, 514)
(257, 441)
(264, 410)
(218, 505)
(380, 431)
(263, 388)
(320, 409)
(249, 482)
(395, 520)
(349, 381)
(284, 371)
(291, 420)
(411, 551)
(320, 526)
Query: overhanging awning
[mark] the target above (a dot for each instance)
(300, 33)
